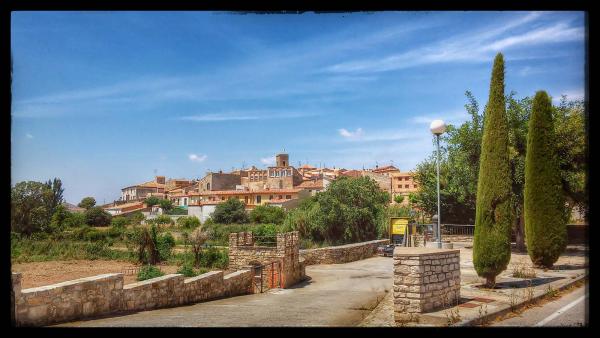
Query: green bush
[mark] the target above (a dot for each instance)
(231, 211)
(75, 220)
(96, 216)
(214, 258)
(120, 222)
(545, 212)
(149, 272)
(267, 214)
(152, 200)
(399, 198)
(136, 217)
(188, 222)
(188, 270)
(94, 235)
(115, 232)
(32, 250)
(165, 243)
(162, 220)
(493, 215)
(87, 202)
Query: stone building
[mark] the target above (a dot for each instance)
(403, 184)
(218, 181)
(141, 191)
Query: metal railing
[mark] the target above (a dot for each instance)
(448, 229)
(270, 241)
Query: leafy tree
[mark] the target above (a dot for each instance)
(87, 202)
(152, 200)
(75, 220)
(230, 211)
(545, 216)
(137, 217)
(399, 199)
(96, 216)
(267, 214)
(166, 205)
(188, 222)
(348, 211)
(30, 211)
(493, 217)
(59, 218)
(149, 272)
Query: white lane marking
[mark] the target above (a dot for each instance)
(561, 311)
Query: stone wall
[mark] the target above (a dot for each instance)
(106, 294)
(342, 253)
(84, 297)
(425, 279)
(284, 257)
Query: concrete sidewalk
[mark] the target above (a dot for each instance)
(479, 306)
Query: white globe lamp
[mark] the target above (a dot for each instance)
(437, 127)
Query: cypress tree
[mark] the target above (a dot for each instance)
(545, 217)
(493, 214)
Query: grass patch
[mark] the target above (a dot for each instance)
(25, 250)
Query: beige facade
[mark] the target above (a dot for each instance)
(143, 190)
(403, 184)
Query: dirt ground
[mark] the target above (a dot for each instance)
(45, 273)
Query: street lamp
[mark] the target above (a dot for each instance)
(438, 127)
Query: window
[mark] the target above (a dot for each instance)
(280, 197)
(288, 197)
(222, 198)
(258, 199)
(415, 186)
(406, 186)
(399, 186)
(270, 197)
(207, 186)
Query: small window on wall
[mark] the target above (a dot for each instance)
(270, 197)
(406, 186)
(258, 199)
(222, 198)
(288, 197)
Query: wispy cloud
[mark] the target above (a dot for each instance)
(572, 94)
(351, 134)
(244, 116)
(268, 160)
(476, 47)
(29, 136)
(197, 158)
(454, 117)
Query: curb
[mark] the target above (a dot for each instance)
(500, 312)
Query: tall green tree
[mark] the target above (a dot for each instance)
(152, 200)
(87, 202)
(350, 210)
(54, 194)
(493, 215)
(230, 211)
(545, 213)
(29, 207)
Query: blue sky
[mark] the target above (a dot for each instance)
(107, 99)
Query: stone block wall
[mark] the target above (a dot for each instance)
(425, 279)
(154, 293)
(84, 297)
(342, 253)
(106, 294)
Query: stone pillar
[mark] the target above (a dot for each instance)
(425, 279)
(15, 295)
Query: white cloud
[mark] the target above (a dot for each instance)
(268, 160)
(455, 117)
(29, 136)
(245, 116)
(472, 47)
(351, 135)
(572, 94)
(196, 158)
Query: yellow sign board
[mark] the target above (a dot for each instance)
(398, 225)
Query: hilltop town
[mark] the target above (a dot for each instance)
(281, 185)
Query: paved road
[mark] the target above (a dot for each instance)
(569, 310)
(336, 295)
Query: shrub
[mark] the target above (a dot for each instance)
(137, 217)
(177, 211)
(214, 258)
(120, 222)
(149, 272)
(96, 216)
(94, 235)
(187, 270)
(188, 222)
(267, 214)
(165, 243)
(163, 220)
(231, 211)
(493, 217)
(166, 205)
(399, 198)
(116, 231)
(544, 203)
(75, 220)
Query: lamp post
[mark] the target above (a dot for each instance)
(438, 127)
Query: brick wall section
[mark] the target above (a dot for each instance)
(343, 253)
(425, 279)
(105, 294)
